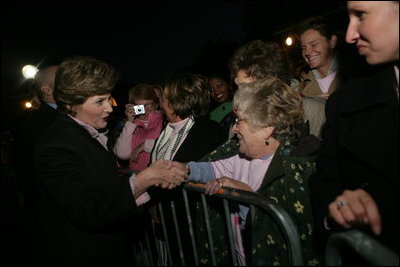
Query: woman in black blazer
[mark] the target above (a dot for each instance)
(85, 209)
(357, 179)
(188, 136)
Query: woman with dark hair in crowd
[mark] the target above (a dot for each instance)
(189, 134)
(221, 91)
(318, 42)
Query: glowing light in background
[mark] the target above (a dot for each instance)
(29, 71)
(28, 104)
(289, 41)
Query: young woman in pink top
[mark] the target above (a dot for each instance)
(141, 130)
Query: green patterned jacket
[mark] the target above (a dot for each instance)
(286, 183)
(226, 150)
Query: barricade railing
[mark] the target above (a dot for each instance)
(180, 246)
(369, 249)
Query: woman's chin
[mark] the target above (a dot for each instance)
(241, 149)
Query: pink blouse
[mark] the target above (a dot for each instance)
(136, 133)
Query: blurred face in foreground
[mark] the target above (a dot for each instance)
(374, 29)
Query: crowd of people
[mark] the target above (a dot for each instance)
(322, 145)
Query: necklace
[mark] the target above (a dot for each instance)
(162, 144)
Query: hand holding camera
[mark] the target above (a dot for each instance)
(134, 110)
(139, 109)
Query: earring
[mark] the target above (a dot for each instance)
(267, 142)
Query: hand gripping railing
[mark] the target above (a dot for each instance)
(176, 246)
(281, 217)
(369, 249)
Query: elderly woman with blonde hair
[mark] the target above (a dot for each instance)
(269, 117)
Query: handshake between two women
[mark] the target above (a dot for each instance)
(164, 173)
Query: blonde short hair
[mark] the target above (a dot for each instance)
(271, 102)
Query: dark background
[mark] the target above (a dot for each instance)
(144, 41)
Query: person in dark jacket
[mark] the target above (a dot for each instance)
(28, 134)
(37, 123)
(188, 136)
(357, 179)
(84, 208)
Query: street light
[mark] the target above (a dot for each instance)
(29, 71)
(28, 104)
(289, 41)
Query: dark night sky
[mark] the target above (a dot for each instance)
(144, 41)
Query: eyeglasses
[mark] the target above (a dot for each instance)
(238, 120)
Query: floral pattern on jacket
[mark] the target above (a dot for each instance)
(228, 149)
(286, 183)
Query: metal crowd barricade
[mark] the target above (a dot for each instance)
(176, 243)
(366, 247)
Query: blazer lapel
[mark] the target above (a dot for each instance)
(88, 136)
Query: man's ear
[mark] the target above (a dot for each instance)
(333, 41)
(46, 90)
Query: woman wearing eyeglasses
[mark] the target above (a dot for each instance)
(142, 127)
(269, 119)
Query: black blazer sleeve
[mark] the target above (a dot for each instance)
(79, 176)
(360, 149)
(204, 137)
